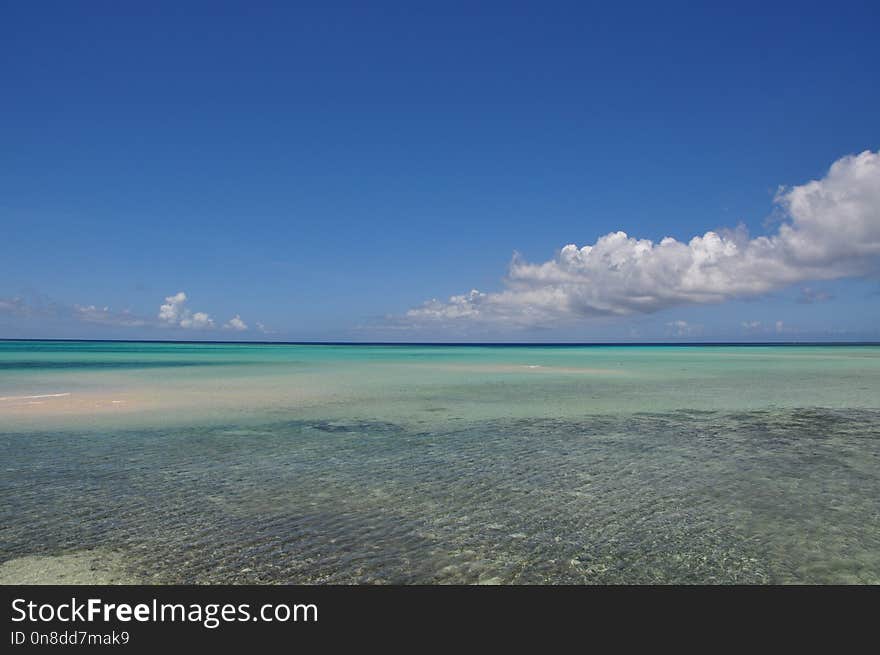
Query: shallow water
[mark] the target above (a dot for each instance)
(243, 463)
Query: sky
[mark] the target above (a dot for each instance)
(447, 171)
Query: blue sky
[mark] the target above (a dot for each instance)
(325, 171)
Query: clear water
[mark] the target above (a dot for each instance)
(419, 464)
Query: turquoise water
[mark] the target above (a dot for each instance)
(197, 463)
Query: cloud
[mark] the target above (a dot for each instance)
(683, 329)
(757, 327)
(14, 306)
(171, 311)
(174, 313)
(35, 306)
(808, 296)
(265, 330)
(106, 316)
(235, 323)
(197, 321)
(831, 230)
(42, 308)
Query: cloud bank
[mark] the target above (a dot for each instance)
(173, 313)
(106, 316)
(831, 230)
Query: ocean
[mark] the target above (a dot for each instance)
(250, 463)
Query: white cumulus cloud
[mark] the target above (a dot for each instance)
(235, 323)
(174, 313)
(171, 311)
(197, 321)
(832, 230)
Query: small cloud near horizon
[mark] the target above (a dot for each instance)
(235, 323)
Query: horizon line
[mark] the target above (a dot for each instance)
(545, 344)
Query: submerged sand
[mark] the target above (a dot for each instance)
(69, 402)
(86, 567)
(522, 368)
(176, 398)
